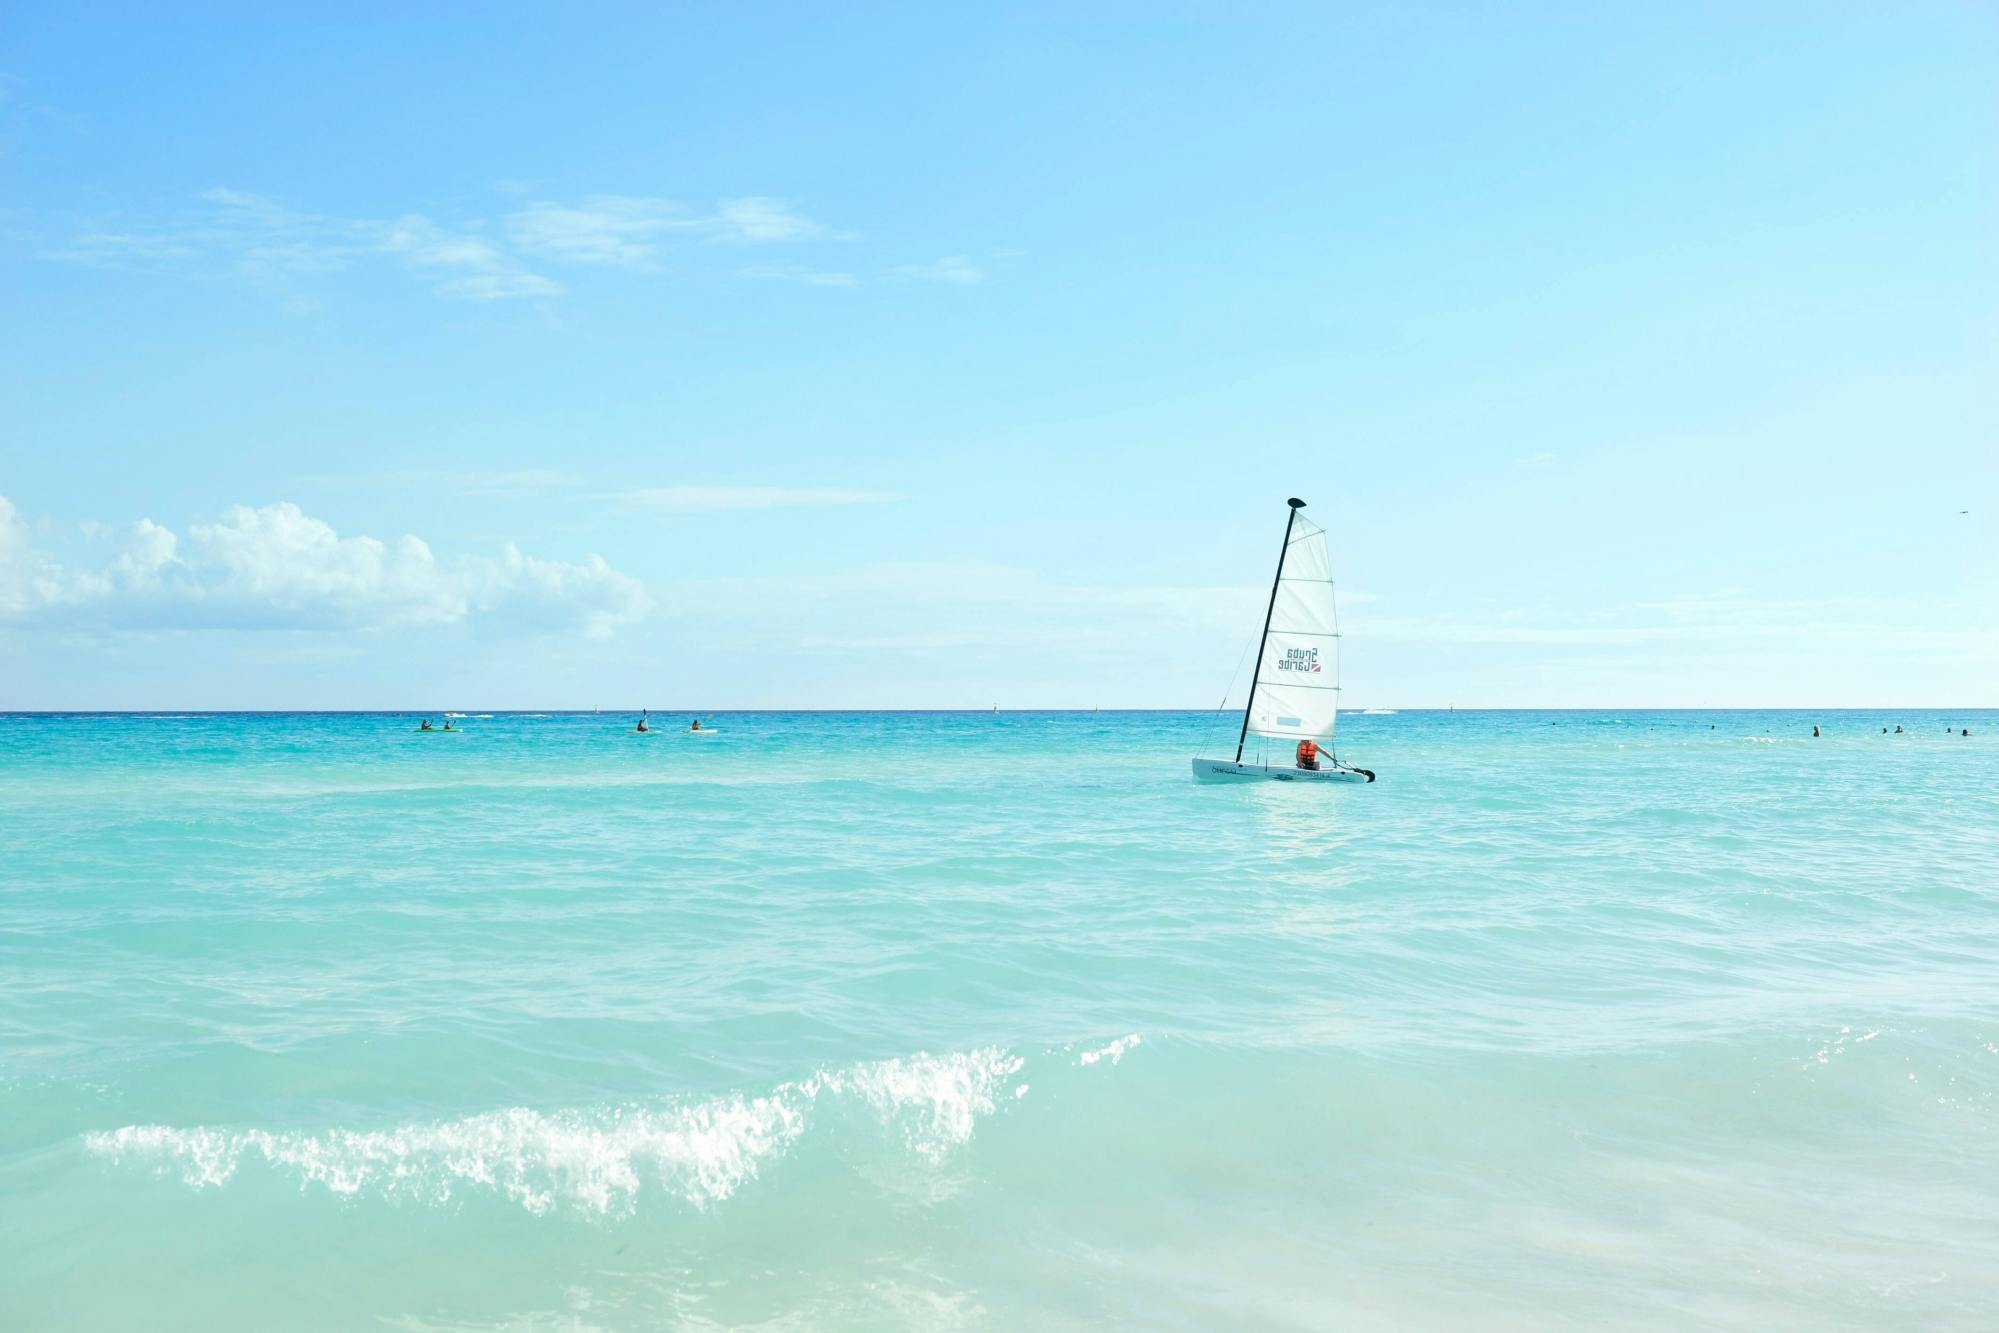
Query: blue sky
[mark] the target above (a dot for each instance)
(755, 356)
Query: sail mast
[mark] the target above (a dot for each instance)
(1264, 642)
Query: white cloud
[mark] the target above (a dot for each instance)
(793, 273)
(269, 241)
(278, 567)
(423, 242)
(28, 578)
(604, 229)
(629, 231)
(951, 268)
(499, 286)
(149, 548)
(477, 259)
(521, 481)
(112, 249)
(718, 499)
(516, 482)
(758, 218)
(950, 633)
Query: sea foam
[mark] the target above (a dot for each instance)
(594, 1160)
(1113, 1052)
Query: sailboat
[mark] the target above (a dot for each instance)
(1287, 725)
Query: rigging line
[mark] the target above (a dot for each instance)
(1232, 675)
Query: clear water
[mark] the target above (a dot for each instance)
(869, 1021)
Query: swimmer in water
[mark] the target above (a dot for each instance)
(1815, 728)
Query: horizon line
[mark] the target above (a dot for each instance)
(988, 710)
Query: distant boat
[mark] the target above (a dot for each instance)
(1294, 692)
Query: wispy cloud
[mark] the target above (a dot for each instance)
(511, 482)
(605, 229)
(511, 256)
(794, 273)
(499, 286)
(951, 268)
(759, 218)
(631, 231)
(995, 612)
(270, 241)
(112, 249)
(722, 499)
(1715, 619)
(424, 243)
(521, 481)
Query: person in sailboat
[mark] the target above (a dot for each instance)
(1294, 687)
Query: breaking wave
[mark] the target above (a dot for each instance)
(597, 1160)
(1113, 1052)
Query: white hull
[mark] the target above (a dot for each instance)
(1221, 770)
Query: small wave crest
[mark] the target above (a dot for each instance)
(597, 1160)
(1377, 712)
(1113, 1052)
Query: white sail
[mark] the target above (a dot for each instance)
(1296, 692)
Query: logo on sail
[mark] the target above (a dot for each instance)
(1299, 659)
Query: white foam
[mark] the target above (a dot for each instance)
(1377, 712)
(1113, 1052)
(597, 1161)
(935, 1100)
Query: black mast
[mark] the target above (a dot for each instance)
(1296, 504)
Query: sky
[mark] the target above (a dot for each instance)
(763, 356)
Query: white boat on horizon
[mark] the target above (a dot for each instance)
(1293, 707)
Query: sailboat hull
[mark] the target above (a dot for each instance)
(1221, 770)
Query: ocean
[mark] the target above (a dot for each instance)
(970, 1020)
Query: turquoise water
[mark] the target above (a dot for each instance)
(1659, 1020)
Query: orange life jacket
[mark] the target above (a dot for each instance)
(1308, 754)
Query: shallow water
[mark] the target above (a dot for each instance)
(998, 1020)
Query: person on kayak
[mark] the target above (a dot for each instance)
(642, 726)
(1308, 754)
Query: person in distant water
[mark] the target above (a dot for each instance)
(426, 726)
(1898, 729)
(696, 726)
(1308, 754)
(1815, 728)
(643, 725)
(447, 724)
